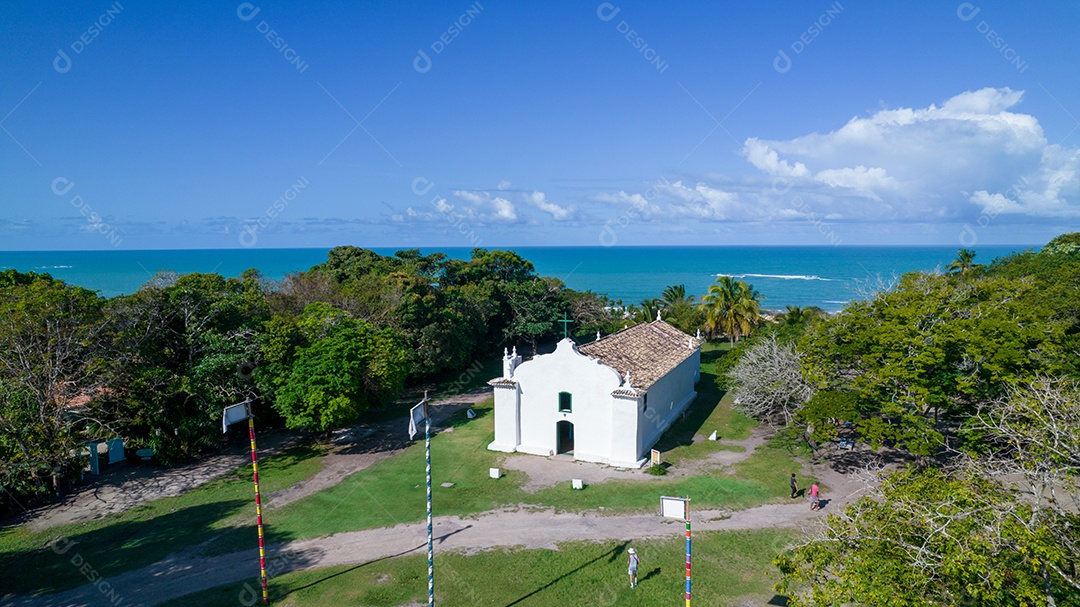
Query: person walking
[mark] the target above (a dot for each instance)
(794, 487)
(632, 562)
(815, 501)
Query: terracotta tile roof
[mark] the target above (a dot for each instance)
(647, 350)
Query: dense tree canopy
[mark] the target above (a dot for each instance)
(975, 371)
(49, 333)
(926, 353)
(315, 351)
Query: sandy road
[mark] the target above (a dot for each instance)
(180, 575)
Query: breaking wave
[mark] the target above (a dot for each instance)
(779, 276)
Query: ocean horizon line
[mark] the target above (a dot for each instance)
(801, 275)
(516, 247)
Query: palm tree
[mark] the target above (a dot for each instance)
(796, 316)
(647, 311)
(964, 262)
(732, 307)
(675, 295)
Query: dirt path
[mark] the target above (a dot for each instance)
(132, 486)
(183, 574)
(546, 472)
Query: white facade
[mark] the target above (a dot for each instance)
(569, 402)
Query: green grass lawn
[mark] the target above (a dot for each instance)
(147, 533)
(726, 566)
(711, 411)
(392, 491)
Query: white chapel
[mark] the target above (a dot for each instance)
(607, 401)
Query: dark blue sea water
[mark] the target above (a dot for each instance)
(822, 276)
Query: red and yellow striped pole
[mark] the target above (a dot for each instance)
(258, 509)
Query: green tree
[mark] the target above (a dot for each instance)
(675, 295)
(535, 307)
(50, 367)
(1033, 433)
(964, 262)
(923, 356)
(680, 310)
(922, 538)
(179, 352)
(647, 310)
(732, 308)
(345, 368)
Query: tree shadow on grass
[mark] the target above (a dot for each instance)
(862, 456)
(377, 438)
(682, 431)
(350, 570)
(110, 550)
(612, 554)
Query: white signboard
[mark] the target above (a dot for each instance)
(674, 507)
(233, 414)
(416, 417)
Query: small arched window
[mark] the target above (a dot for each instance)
(565, 402)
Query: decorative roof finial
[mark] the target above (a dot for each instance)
(628, 385)
(658, 315)
(506, 353)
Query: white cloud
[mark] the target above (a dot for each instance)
(866, 181)
(1051, 191)
(932, 163)
(767, 159)
(703, 202)
(558, 213)
(486, 208)
(913, 166)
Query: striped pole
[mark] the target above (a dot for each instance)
(688, 559)
(258, 509)
(430, 552)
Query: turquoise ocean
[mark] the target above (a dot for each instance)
(822, 276)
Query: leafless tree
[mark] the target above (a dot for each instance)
(47, 371)
(767, 382)
(872, 286)
(1035, 430)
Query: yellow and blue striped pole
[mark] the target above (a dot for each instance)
(258, 509)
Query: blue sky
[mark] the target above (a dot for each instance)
(131, 125)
